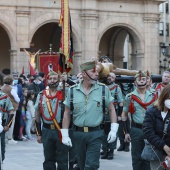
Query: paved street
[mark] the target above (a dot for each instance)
(29, 155)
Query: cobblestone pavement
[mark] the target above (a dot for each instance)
(28, 155)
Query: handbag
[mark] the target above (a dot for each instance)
(150, 152)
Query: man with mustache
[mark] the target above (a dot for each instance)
(137, 103)
(48, 109)
(85, 102)
(165, 81)
(108, 148)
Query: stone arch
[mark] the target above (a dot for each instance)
(54, 17)
(132, 26)
(114, 34)
(10, 28)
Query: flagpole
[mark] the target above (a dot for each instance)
(64, 70)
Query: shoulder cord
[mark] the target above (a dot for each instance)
(115, 96)
(71, 99)
(103, 98)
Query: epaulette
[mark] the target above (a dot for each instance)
(73, 85)
(129, 95)
(41, 92)
(101, 84)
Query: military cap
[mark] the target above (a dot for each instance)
(51, 73)
(88, 65)
(6, 71)
(140, 74)
(148, 74)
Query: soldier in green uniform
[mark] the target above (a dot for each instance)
(6, 117)
(48, 109)
(108, 148)
(165, 81)
(85, 102)
(136, 103)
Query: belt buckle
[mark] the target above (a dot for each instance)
(52, 126)
(86, 129)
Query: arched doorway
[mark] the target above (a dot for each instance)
(47, 35)
(122, 46)
(5, 47)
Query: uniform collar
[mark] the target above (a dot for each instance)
(80, 87)
(111, 85)
(136, 93)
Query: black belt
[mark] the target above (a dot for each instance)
(87, 129)
(137, 125)
(49, 126)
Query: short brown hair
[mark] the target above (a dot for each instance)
(8, 80)
(165, 94)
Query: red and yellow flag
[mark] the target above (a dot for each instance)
(66, 45)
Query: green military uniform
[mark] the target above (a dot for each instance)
(6, 105)
(117, 95)
(87, 118)
(136, 132)
(54, 150)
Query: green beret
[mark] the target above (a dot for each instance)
(51, 73)
(140, 74)
(88, 65)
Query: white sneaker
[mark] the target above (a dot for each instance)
(12, 141)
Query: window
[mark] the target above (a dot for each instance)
(167, 29)
(161, 28)
(161, 8)
(167, 7)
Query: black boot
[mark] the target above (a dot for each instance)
(104, 156)
(76, 168)
(102, 152)
(127, 147)
(122, 146)
(110, 154)
(71, 165)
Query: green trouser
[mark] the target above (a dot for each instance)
(2, 135)
(120, 133)
(137, 143)
(54, 151)
(87, 146)
(72, 152)
(105, 144)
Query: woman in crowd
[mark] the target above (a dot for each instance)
(155, 131)
(30, 114)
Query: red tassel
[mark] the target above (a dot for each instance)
(60, 135)
(131, 108)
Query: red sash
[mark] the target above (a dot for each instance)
(144, 105)
(59, 96)
(1, 98)
(113, 87)
(159, 86)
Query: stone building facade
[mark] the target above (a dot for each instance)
(99, 28)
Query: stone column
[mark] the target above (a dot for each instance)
(22, 20)
(118, 61)
(136, 61)
(89, 26)
(77, 61)
(13, 60)
(151, 32)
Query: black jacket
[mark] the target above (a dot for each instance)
(153, 127)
